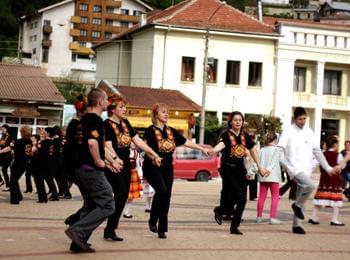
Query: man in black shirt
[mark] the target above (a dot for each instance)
(96, 191)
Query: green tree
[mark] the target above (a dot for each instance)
(161, 4)
(212, 129)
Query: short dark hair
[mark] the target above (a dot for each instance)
(299, 111)
(231, 116)
(94, 95)
(331, 140)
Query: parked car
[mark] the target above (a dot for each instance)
(194, 165)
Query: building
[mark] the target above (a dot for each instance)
(313, 71)
(59, 37)
(141, 100)
(169, 50)
(28, 97)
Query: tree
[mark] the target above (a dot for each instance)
(161, 4)
(212, 129)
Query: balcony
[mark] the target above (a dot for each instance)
(74, 32)
(46, 44)
(83, 65)
(74, 46)
(47, 29)
(116, 29)
(123, 17)
(115, 4)
(84, 51)
(335, 102)
(75, 19)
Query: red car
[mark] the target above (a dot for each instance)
(194, 165)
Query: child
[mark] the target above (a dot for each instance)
(271, 159)
(329, 191)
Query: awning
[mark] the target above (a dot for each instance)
(25, 112)
(144, 122)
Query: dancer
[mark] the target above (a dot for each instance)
(329, 191)
(300, 147)
(6, 145)
(234, 143)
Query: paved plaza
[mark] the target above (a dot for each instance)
(36, 231)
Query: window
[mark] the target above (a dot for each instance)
(34, 51)
(232, 72)
(299, 79)
(31, 38)
(96, 21)
(97, 9)
(109, 22)
(96, 34)
(332, 82)
(83, 7)
(45, 57)
(124, 24)
(47, 22)
(124, 11)
(34, 38)
(255, 73)
(137, 13)
(110, 10)
(83, 33)
(82, 44)
(74, 57)
(83, 19)
(108, 35)
(187, 69)
(212, 70)
(35, 24)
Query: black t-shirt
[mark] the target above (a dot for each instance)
(347, 167)
(22, 150)
(5, 141)
(45, 151)
(120, 135)
(57, 147)
(92, 128)
(69, 149)
(235, 147)
(163, 142)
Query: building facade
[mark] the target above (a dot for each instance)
(59, 37)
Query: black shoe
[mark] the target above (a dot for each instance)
(299, 230)
(41, 201)
(152, 228)
(111, 235)
(147, 210)
(15, 202)
(339, 224)
(313, 222)
(217, 216)
(298, 212)
(75, 239)
(161, 235)
(76, 249)
(227, 217)
(54, 199)
(127, 215)
(235, 231)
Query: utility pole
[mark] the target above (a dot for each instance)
(204, 88)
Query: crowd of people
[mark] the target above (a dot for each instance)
(103, 159)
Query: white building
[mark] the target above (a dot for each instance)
(59, 37)
(168, 52)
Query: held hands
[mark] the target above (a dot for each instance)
(157, 160)
(117, 165)
(336, 169)
(264, 172)
(207, 151)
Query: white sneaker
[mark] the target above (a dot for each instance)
(258, 220)
(275, 221)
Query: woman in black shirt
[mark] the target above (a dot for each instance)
(234, 144)
(119, 134)
(6, 144)
(163, 139)
(23, 152)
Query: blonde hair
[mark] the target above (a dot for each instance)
(25, 131)
(155, 109)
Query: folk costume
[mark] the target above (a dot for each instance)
(5, 158)
(233, 174)
(163, 142)
(120, 134)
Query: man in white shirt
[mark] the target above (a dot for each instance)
(300, 147)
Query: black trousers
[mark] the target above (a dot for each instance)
(17, 171)
(120, 183)
(161, 179)
(40, 187)
(234, 186)
(47, 171)
(5, 164)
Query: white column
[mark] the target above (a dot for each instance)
(319, 98)
(284, 90)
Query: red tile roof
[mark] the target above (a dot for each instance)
(307, 23)
(142, 97)
(28, 83)
(212, 14)
(203, 14)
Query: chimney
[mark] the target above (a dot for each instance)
(259, 12)
(143, 20)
